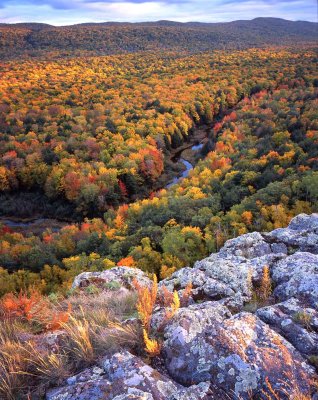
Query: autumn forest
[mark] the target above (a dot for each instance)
(94, 142)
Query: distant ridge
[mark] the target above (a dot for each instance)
(38, 25)
(36, 39)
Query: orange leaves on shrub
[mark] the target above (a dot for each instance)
(186, 295)
(59, 318)
(166, 297)
(265, 289)
(146, 301)
(33, 308)
(22, 305)
(126, 262)
(174, 306)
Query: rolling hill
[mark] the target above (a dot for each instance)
(32, 39)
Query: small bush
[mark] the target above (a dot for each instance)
(265, 289)
(152, 346)
(92, 289)
(112, 285)
(303, 318)
(146, 302)
(34, 309)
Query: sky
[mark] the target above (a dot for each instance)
(66, 12)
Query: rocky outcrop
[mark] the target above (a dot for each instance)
(236, 354)
(297, 276)
(297, 323)
(124, 376)
(213, 348)
(300, 235)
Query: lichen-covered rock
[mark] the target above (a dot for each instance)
(124, 376)
(249, 246)
(297, 276)
(300, 235)
(236, 354)
(296, 322)
(219, 278)
(121, 276)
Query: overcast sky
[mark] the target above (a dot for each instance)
(65, 12)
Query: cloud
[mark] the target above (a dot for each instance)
(62, 12)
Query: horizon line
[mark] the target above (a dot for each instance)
(150, 21)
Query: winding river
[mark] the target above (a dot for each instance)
(186, 163)
(37, 226)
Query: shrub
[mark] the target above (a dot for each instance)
(152, 346)
(303, 318)
(146, 302)
(34, 309)
(174, 306)
(265, 289)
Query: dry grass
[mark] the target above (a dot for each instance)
(28, 365)
(79, 341)
(287, 391)
(24, 367)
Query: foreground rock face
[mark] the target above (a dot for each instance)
(237, 354)
(297, 323)
(213, 348)
(124, 376)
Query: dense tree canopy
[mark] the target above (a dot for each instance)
(99, 132)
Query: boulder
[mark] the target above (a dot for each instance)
(297, 276)
(296, 322)
(300, 235)
(236, 354)
(249, 246)
(124, 376)
(120, 276)
(219, 278)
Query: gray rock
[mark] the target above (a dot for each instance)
(236, 354)
(221, 355)
(122, 275)
(250, 245)
(297, 276)
(296, 322)
(124, 376)
(219, 278)
(301, 234)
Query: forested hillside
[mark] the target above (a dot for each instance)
(94, 137)
(30, 40)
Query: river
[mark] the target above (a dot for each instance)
(186, 163)
(37, 226)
